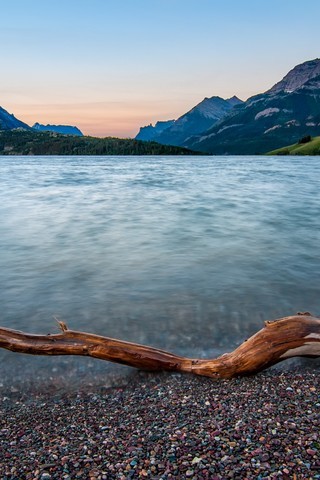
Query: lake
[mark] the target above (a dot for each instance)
(190, 254)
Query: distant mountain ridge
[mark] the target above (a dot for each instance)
(63, 129)
(150, 132)
(197, 120)
(267, 121)
(280, 116)
(9, 122)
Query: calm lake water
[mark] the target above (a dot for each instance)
(185, 253)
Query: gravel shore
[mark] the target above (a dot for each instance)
(164, 426)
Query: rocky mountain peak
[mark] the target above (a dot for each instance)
(297, 77)
(210, 107)
(234, 101)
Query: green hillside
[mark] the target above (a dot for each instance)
(311, 147)
(26, 142)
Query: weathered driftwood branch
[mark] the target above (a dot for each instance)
(295, 336)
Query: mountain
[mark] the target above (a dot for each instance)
(197, 120)
(9, 121)
(233, 101)
(280, 116)
(150, 132)
(63, 129)
(297, 77)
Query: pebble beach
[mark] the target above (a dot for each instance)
(162, 426)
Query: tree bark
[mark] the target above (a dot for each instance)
(294, 336)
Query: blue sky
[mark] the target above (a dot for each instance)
(111, 66)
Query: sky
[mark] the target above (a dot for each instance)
(111, 66)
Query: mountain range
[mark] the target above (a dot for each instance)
(287, 112)
(280, 116)
(9, 122)
(195, 121)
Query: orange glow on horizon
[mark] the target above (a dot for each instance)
(98, 120)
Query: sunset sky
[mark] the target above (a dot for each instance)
(111, 66)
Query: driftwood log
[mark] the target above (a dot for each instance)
(295, 336)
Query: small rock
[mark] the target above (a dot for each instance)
(45, 476)
(311, 452)
(264, 457)
(189, 473)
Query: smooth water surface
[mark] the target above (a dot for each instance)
(185, 253)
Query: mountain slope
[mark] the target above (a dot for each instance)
(196, 120)
(297, 77)
(278, 117)
(63, 129)
(8, 121)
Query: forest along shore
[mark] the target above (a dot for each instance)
(164, 426)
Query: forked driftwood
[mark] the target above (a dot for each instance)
(295, 336)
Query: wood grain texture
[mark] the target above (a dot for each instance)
(294, 336)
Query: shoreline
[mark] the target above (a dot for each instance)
(162, 426)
